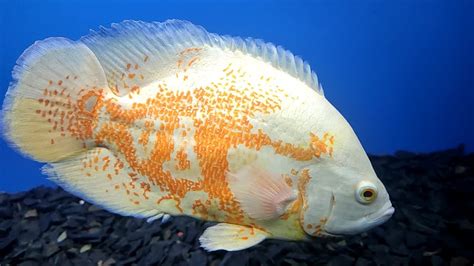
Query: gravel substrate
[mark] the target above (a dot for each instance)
(433, 225)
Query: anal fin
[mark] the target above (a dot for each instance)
(231, 237)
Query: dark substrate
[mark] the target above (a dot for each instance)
(433, 225)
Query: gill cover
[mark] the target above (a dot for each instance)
(318, 202)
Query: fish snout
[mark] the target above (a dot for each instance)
(381, 216)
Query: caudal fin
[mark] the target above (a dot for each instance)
(50, 107)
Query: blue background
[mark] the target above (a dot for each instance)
(401, 72)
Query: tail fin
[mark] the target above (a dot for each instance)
(49, 109)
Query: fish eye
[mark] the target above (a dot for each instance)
(366, 192)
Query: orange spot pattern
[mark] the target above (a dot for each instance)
(323, 145)
(300, 204)
(220, 113)
(72, 115)
(186, 59)
(182, 158)
(302, 184)
(319, 227)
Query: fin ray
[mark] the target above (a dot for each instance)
(41, 105)
(154, 47)
(231, 237)
(100, 177)
(263, 195)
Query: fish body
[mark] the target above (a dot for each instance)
(153, 119)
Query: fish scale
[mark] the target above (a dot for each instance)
(152, 119)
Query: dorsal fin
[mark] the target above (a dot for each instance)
(135, 53)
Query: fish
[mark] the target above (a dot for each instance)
(161, 119)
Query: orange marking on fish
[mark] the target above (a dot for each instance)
(192, 61)
(135, 89)
(218, 128)
(183, 162)
(200, 209)
(302, 184)
(146, 188)
(289, 181)
(320, 145)
(318, 231)
(191, 49)
(252, 231)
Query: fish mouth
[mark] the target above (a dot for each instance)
(377, 218)
(365, 223)
(381, 216)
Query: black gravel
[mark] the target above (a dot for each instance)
(433, 225)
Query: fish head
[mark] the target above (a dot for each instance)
(343, 196)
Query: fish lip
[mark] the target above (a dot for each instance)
(383, 215)
(371, 220)
(386, 210)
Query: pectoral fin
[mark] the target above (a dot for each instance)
(231, 237)
(263, 195)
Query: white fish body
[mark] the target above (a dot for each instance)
(151, 119)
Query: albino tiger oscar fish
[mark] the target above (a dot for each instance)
(157, 119)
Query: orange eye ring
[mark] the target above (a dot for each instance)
(366, 192)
